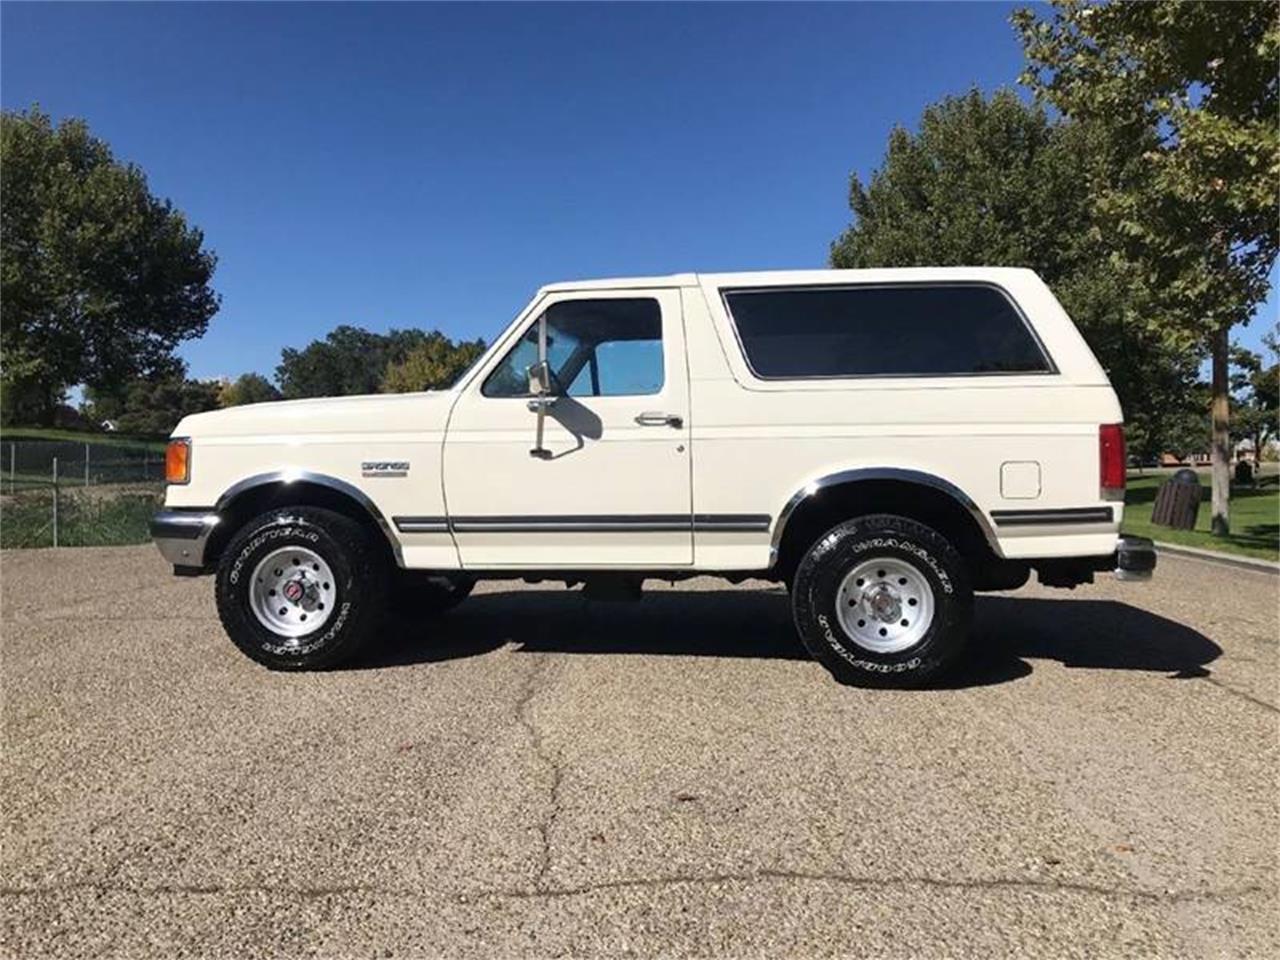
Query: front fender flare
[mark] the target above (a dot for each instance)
(286, 477)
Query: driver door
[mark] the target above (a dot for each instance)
(609, 485)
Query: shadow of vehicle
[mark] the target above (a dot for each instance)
(1098, 634)
(1008, 632)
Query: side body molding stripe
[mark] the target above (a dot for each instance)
(588, 523)
(572, 523)
(732, 522)
(421, 524)
(319, 479)
(815, 486)
(1016, 518)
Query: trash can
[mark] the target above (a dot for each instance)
(1178, 501)
(1244, 472)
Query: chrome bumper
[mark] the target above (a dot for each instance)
(1135, 558)
(181, 535)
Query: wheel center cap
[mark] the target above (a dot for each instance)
(294, 591)
(884, 604)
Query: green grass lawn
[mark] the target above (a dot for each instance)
(1255, 517)
(84, 520)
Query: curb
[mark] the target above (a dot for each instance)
(1214, 556)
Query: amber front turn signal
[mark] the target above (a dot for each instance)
(177, 461)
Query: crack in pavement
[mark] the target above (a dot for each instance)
(1239, 693)
(880, 882)
(1081, 803)
(767, 875)
(524, 717)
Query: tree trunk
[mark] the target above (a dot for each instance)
(1220, 451)
(1257, 455)
(48, 407)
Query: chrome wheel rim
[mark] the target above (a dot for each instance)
(292, 592)
(885, 605)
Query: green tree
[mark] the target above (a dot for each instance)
(432, 365)
(156, 406)
(108, 402)
(1186, 428)
(1255, 391)
(1188, 93)
(248, 388)
(1165, 396)
(996, 182)
(349, 360)
(100, 279)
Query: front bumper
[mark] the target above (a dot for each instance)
(1135, 558)
(181, 535)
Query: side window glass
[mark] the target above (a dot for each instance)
(596, 348)
(932, 329)
(629, 368)
(510, 378)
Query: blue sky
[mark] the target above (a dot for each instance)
(432, 165)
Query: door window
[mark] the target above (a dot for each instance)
(595, 348)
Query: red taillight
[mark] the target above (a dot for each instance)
(1111, 465)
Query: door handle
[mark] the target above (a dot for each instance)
(654, 419)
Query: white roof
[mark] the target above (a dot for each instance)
(789, 277)
(614, 283)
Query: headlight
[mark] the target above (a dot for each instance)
(177, 460)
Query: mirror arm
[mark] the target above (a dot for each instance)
(543, 401)
(539, 451)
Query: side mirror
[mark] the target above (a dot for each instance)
(540, 379)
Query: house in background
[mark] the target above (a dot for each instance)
(1242, 451)
(1197, 459)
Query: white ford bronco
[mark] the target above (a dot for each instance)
(882, 442)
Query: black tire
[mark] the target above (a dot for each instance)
(815, 594)
(417, 595)
(359, 587)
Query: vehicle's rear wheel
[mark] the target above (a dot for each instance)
(883, 601)
(417, 595)
(301, 588)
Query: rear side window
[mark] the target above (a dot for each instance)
(905, 330)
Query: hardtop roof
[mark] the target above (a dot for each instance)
(757, 278)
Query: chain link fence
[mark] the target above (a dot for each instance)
(65, 493)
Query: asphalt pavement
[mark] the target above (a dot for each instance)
(538, 775)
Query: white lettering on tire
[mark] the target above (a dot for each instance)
(265, 536)
(858, 662)
(915, 550)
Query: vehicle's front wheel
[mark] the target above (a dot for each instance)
(883, 601)
(301, 588)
